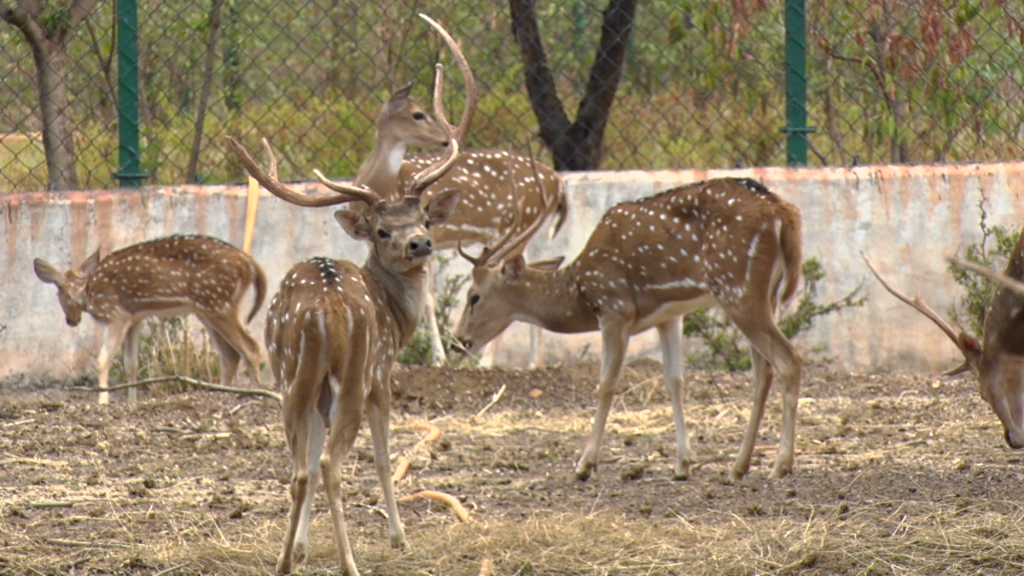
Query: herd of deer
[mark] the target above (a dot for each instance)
(334, 328)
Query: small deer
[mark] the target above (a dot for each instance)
(487, 177)
(171, 276)
(334, 328)
(729, 242)
(998, 359)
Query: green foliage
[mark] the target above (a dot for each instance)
(702, 86)
(994, 251)
(726, 347)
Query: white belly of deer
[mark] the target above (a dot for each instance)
(671, 310)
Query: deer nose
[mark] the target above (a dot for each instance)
(421, 246)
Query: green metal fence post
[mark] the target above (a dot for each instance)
(796, 84)
(130, 173)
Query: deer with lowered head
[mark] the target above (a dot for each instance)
(334, 328)
(997, 360)
(726, 242)
(172, 276)
(488, 179)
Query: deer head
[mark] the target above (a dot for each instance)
(997, 360)
(70, 285)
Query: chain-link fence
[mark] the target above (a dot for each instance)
(702, 84)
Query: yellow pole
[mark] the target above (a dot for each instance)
(250, 213)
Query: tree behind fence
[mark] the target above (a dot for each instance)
(702, 84)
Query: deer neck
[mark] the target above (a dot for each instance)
(380, 171)
(552, 301)
(402, 293)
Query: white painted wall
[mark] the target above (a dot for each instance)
(907, 218)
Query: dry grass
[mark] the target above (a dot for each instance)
(895, 474)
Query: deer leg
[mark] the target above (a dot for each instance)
(614, 339)
(437, 356)
(346, 415)
(305, 432)
(670, 334)
(235, 334)
(131, 358)
(226, 342)
(772, 353)
(378, 414)
(535, 336)
(113, 335)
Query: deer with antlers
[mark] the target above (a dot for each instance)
(488, 179)
(729, 242)
(997, 360)
(334, 328)
(171, 276)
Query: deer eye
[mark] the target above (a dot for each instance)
(419, 116)
(383, 234)
(474, 300)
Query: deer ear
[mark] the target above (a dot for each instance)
(549, 265)
(90, 263)
(399, 99)
(514, 268)
(48, 272)
(355, 224)
(442, 206)
(972, 349)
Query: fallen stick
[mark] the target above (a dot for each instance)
(403, 463)
(191, 382)
(494, 400)
(456, 506)
(81, 544)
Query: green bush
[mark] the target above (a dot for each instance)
(993, 252)
(726, 347)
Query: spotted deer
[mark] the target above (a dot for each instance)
(729, 242)
(334, 328)
(171, 276)
(997, 360)
(487, 177)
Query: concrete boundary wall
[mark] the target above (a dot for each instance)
(907, 218)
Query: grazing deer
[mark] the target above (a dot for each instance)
(487, 177)
(171, 276)
(334, 328)
(998, 359)
(729, 242)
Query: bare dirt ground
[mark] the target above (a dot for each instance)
(895, 474)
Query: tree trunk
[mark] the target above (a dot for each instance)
(574, 145)
(49, 50)
(55, 103)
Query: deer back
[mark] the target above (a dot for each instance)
(648, 259)
(495, 185)
(174, 274)
(722, 237)
(324, 314)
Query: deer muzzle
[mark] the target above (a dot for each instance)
(420, 246)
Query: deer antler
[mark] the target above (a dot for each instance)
(467, 76)
(1003, 279)
(270, 181)
(424, 178)
(918, 305)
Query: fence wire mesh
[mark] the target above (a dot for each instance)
(702, 84)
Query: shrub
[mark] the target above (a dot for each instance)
(726, 347)
(994, 252)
